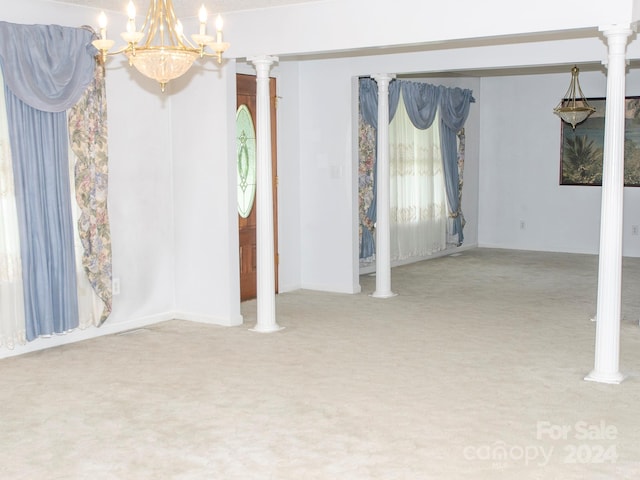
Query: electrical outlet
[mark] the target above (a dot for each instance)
(522, 225)
(634, 229)
(115, 286)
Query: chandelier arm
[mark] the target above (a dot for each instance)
(217, 54)
(121, 50)
(171, 21)
(582, 97)
(150, 23)
(188, 45)
(571, 93)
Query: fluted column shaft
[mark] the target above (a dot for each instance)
(266, 297)
(383, 185)
(607, 347)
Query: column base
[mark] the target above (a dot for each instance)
(383, 295)
(266, 329)
(610, 378)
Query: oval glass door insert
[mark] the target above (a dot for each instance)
(246, 157)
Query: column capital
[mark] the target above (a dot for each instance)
(383, 78)
(623, 30)
(265, 60)
(617, 37)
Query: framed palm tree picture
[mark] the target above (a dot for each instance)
(582, 148)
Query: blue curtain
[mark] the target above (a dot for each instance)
(43, 201)
(368, 97)
(46, 70)
(454, 109)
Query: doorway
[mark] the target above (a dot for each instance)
(246, 165)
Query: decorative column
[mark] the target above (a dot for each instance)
(607, 348)
(383, 186)
(266, 296)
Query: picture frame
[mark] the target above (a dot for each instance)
(581, 149)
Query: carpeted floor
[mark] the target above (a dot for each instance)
(474, 371)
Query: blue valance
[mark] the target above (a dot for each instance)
(48, 67)
(421, 103)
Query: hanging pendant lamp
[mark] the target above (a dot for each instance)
(574, 108)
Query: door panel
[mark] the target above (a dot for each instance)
(246, 95)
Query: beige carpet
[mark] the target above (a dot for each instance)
(473, 372)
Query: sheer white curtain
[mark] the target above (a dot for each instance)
(12, 323)
(418, 198)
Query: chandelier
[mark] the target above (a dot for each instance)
(160, 50)
(574, 108)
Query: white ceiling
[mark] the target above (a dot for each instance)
(187, 8)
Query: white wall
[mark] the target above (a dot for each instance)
(204, 181)
(520, 166)
(326, 176)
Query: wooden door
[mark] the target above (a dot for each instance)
(246, 95)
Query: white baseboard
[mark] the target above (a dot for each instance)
(283, 288)
(210, 319)
(86, 334)
(119, 327)
(442, 253)
(331, 288)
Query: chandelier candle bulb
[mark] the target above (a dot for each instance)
(203, 20)
(219, 25)
(102, 23)
(131, 12)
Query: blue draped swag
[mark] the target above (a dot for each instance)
(422, 101)
(46, 69)
(454, 109)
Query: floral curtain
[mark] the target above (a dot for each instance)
(88, 137)
(366, 192)
(461, 153)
